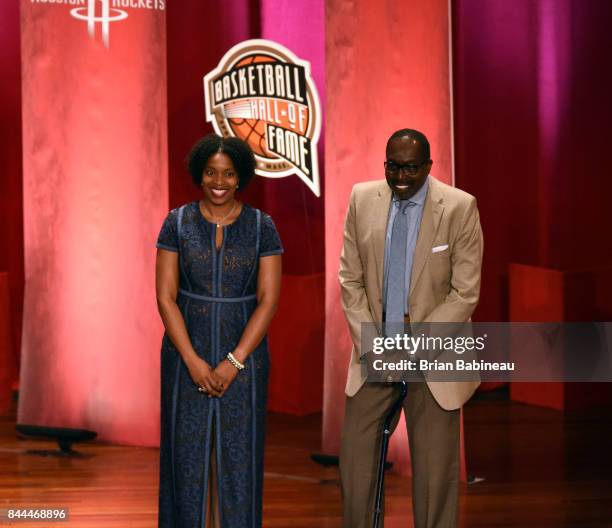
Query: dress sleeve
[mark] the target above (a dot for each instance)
(270, 240)
(168, 236)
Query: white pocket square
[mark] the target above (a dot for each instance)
(437, 249)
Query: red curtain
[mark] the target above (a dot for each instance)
(6, 344)
(11, 207)
(532, 116)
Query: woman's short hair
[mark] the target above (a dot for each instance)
(238, 150)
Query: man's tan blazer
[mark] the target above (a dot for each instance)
(444, 286)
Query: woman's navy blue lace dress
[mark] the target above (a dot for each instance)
(216, 298)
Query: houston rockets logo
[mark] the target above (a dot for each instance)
(262, 93)
(104, 18)
(104, 12)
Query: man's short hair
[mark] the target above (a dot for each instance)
(413, 134)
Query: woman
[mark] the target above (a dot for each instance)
(218, 276)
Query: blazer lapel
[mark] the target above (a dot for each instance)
(380, 214)
(432, 214)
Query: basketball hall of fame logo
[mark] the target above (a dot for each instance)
(262, 93)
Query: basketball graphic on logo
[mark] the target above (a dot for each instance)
(253, 131)
(263, 94)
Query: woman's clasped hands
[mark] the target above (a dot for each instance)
(213, 382)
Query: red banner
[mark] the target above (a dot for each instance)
(95, 194)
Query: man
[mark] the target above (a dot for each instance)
(412, 252)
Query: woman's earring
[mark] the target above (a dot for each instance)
(237, 186)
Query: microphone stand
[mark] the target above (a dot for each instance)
(380, 481)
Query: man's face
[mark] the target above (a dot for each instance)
(406, 168)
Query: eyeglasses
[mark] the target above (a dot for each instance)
(411, 168)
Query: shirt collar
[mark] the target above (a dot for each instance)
(419, 197)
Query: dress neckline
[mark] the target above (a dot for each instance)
(199, 212)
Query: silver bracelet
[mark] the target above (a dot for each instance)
(234, 361)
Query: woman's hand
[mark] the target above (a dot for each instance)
(226, 373)
(205, 377)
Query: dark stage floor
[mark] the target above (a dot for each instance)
(542, 468)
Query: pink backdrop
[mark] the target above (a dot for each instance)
(95, 193)
(394, 75)
(296, 334)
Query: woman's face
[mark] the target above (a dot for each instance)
(219, 179)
